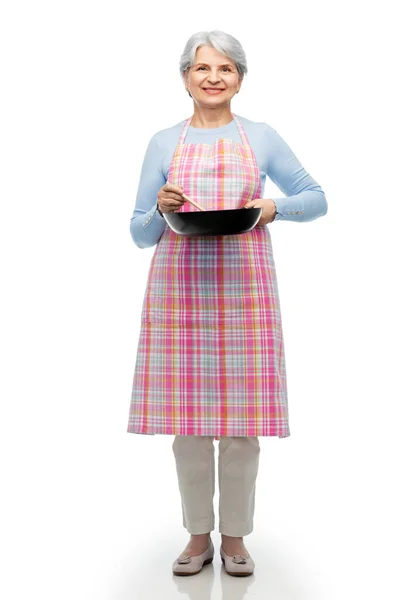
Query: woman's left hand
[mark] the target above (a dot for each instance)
(268, 206)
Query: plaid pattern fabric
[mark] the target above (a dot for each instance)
(210, 357)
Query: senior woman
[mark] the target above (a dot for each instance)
(210, 359)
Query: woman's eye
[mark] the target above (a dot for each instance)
(225, 68)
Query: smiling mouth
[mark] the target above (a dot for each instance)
(212, 92)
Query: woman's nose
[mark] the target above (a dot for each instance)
(214, 77)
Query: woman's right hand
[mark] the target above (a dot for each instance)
(169, 198)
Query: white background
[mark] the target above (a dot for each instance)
(89, 511)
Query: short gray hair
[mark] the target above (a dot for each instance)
(221, 41)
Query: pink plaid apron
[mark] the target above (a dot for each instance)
(210, 358)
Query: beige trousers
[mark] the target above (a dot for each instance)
(238, 461)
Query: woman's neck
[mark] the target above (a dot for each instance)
(211, 119)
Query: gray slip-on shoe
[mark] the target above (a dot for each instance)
(237, 565)
(190, 565)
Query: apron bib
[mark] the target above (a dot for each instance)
(210, 357)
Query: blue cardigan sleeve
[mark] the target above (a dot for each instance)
(305, 199)
(147, 225)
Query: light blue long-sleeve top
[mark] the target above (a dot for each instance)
(304, 199)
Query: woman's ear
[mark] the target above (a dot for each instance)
(187, 83)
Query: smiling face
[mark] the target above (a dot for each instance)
(212, 69)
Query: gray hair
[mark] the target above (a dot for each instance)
(221, 41)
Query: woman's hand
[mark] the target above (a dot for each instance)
(268, 206)
(169, 198)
